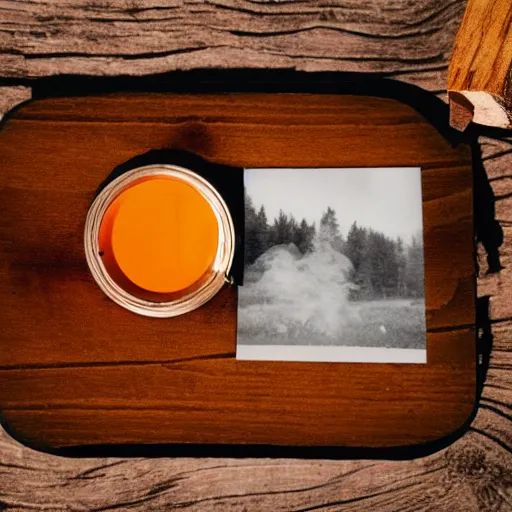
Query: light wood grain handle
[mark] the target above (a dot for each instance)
(480, 74)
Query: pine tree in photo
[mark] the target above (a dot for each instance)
(330, 231)
(401, 288)
(414, 268)
(282, 229)
(357, 252)
(256, 232)
(355, 245)
(303, 237)
(263, 229)
(329, 227)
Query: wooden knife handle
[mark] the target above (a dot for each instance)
(480, 74)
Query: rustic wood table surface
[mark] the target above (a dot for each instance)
(399, 39)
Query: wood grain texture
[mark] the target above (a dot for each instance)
(480, 74)
(60, 332)
(40, 38)
(474, 474)
(12, 96)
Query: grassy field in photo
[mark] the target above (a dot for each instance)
(396, 323)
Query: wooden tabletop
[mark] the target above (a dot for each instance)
(408, 41)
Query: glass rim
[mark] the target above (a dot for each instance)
(193, 299)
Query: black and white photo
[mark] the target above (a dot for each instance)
(333, 268)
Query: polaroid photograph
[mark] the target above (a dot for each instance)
(333, 266)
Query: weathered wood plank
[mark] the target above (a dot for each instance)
(39, 38)
(12, 96)
(473, 474)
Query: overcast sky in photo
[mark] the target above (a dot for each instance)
(385, 199)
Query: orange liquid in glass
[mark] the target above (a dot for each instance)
(162, 233)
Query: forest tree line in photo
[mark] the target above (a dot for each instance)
(383, 267)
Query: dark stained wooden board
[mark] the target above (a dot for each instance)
(77, 369)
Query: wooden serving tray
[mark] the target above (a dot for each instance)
(76, 369)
